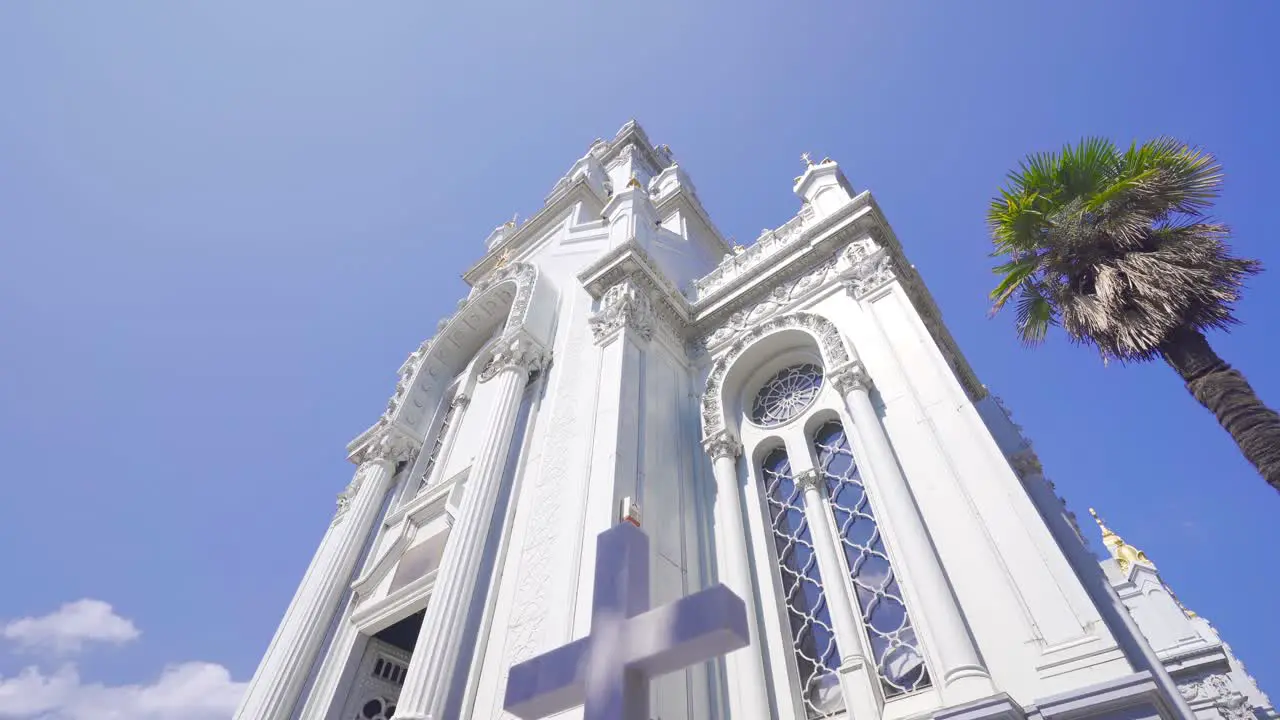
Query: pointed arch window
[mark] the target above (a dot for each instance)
(437, 445)
(814, 641)
(894, 645)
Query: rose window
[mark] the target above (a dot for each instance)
(378, 709)
(786, 395)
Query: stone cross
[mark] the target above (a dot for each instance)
(608, 671)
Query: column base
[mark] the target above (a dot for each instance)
(967, 683)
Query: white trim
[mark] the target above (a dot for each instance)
(375, 617)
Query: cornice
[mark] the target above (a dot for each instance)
(578, 191)
(631, 261)
(684, 199)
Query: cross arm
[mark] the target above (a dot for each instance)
(691, 630)
(549, 683)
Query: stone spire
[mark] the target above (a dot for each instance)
(1124, 553)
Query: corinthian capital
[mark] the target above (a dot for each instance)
(850, 377)
(387, 444)
(623, 305)
(722, 444)
(518, 353)
(811, 478)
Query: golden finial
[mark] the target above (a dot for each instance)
(512, 222)
(504, 258)
(1124, 553)
(634, 182)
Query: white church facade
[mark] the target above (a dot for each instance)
(791, 419)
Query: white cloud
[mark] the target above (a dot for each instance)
(70, 627)
(189, 691)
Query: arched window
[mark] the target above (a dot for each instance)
(896, 651)
(817, 656)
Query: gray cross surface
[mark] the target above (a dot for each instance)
(609, 670)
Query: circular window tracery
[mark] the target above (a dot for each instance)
(786, 395)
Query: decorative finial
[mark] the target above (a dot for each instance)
(1124, 553)
(504, 258)
(634, 182)
(808, 161)
(512, 222)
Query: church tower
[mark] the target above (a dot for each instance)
(790, 418)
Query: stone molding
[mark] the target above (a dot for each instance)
(850, 377)
(743, 260)
(625, 304)
(830, 343)
(515, 353)
(1218, 690)
(722, 444)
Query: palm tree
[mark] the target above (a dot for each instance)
(1115, 247)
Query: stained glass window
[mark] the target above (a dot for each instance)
(817, 655)
(786, 395)
(894, 645)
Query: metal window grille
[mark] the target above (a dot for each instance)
(894, 645)
(786, 395)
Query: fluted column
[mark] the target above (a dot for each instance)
(275, 687)
(861, 697)
(435, 656)
(749, 699)
(963, 675)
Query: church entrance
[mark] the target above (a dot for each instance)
(381, 673)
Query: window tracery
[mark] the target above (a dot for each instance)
(817, 655)
(894, 645)
(787, 394)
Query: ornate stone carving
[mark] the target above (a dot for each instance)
(722, 444)
(849, 378)
(777, 299)
(514, 353)
(1026, 463)
(868, 271)
(769, 244)
(386, 445)
(1222, 693)
(830, 344)
(623, 305)
(389, 447)
(811, 478)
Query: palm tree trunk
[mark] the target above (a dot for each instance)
(1228, 395)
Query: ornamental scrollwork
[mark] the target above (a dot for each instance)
(774, 302)
(515, 353)
(722, 444)
(1222, 693)
(830, 344)
(849, 378)
(623, 305)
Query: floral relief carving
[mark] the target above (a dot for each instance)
(830, 344)
(1221, 692)
(849, 378)
(870, 267)
(722, 444)
(545, 493)
(515, 353)
(623, 305)
(774, 302)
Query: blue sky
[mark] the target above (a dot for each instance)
(223, 225)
